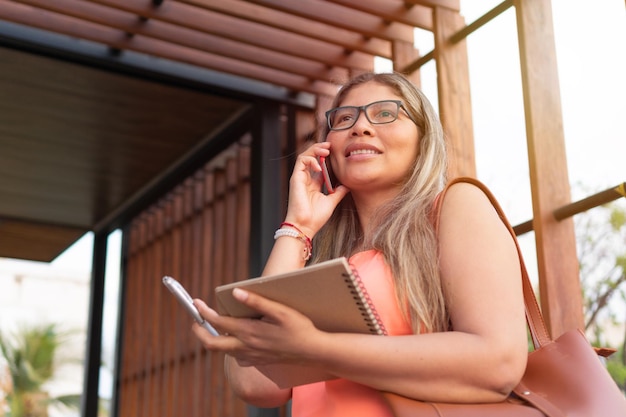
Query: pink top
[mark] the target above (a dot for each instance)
(341, 397)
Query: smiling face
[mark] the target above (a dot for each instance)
(370, 157)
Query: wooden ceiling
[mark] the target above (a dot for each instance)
(79, 140)
(303, 45)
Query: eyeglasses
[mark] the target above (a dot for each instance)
(377, 113)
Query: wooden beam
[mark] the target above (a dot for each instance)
(481, 21)
(455, 106)
(130, 24)
(225, 28)
(418, 63)
(62, 24)
(350, 40)
(454, 5)
(343, 17)
(590, 202)
(394, 11)
(595, 200)
(556, 245)
(404, 53)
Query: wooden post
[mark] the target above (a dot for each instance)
(455, 106)
(405, 53)
(560, 291)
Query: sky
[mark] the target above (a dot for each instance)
(591, 56)
(589, 37)
(590, 42)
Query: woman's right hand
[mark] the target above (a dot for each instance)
(309, 208)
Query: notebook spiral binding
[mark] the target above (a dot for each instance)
(363, 300)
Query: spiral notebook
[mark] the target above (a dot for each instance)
(330, 293)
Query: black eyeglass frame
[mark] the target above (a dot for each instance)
(363, 109)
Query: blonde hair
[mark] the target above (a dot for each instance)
(403, 228)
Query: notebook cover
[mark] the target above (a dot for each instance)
(328, 293)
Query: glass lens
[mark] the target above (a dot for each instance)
(382, 112)
(342, 117)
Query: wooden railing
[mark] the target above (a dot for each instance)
(580, 206)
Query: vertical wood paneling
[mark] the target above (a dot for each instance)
(196, 288)
(242, 260)
(169, 305)
(216, 407)
(199, 233)
(158, 314)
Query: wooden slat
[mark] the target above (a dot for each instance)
(394, 11)
(454, 95)
(159, 312)
(242, 216)
(189, 342)
(350, 40)
(557, 261)
(150, 289)
(336, 15)
(230, 244)
(197, 242)
(219, 251)
(454, 5)
(208, 383)
(143, 314)
(173, 309)
(168, 306)
(231, 203)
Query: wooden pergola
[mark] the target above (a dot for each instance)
(175, 119)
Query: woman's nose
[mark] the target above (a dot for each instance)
(362, 125)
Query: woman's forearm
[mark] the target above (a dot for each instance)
(253, 387)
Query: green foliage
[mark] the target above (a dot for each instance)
(601, 234)
(617, 368)
(32, 357)
(617, 219)
(618, 372)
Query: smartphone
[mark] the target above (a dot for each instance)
(185, 299)
(327, 176)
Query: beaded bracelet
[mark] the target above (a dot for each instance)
(288, 229)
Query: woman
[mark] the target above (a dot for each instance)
(437, 291)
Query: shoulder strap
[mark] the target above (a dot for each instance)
(536, 324)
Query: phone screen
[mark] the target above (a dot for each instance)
(185, 299)
(327, 179)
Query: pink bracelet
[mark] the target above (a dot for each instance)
(294, 231)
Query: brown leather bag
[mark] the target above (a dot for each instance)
(563, 378)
